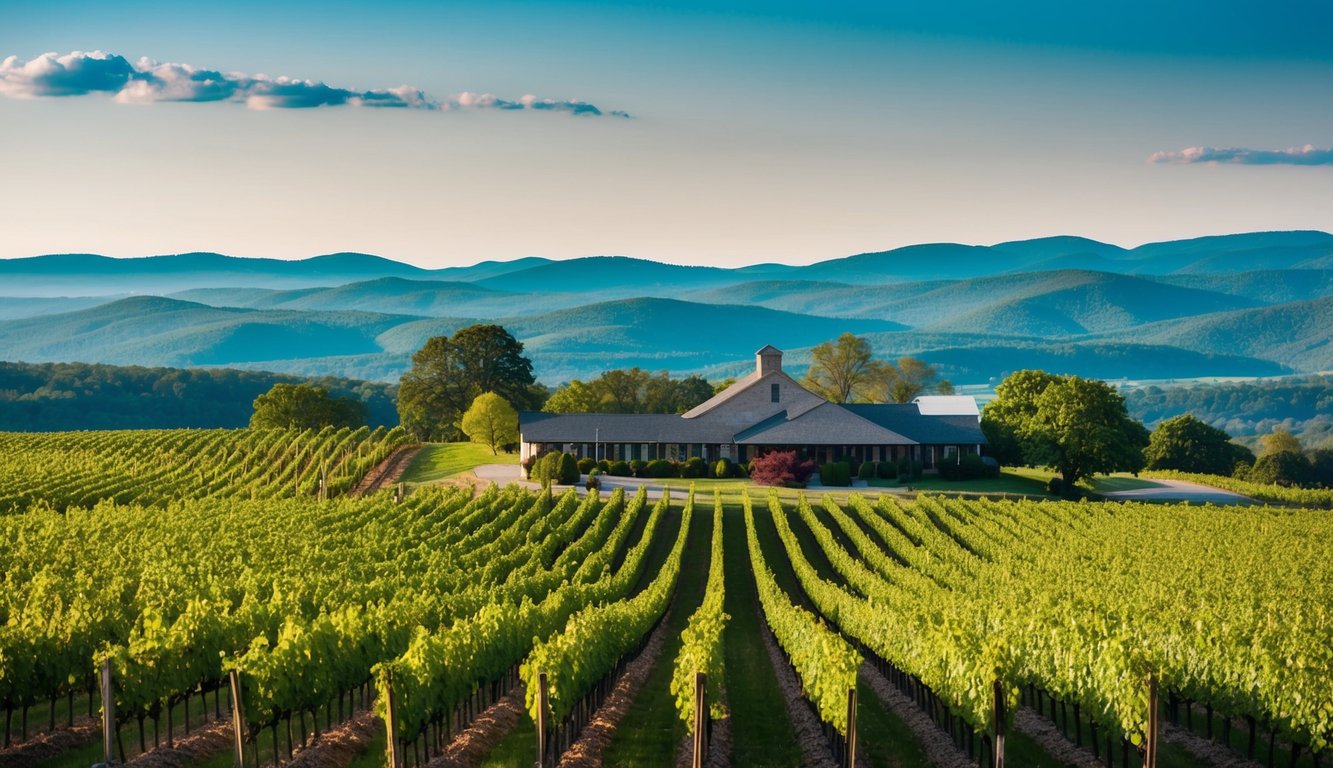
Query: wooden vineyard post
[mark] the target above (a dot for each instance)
(543, 722)
(850, 761)
(700, 719)
(1150, 741)
(997, 745)
(237, 719)
(108, 715)
(396, 755)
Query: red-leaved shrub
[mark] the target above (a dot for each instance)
(783, 468)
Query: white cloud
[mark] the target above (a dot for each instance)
(1306, 155)
(148, 82)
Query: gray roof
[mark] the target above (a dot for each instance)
(538, 427)
(825, 424)
(907, 420)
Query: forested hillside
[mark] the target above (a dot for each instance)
(62, 396)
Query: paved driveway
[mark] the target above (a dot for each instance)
(1179, 490)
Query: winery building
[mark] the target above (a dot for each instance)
(765, 411)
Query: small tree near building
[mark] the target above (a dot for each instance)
(491, 421)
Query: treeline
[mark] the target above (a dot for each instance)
(44, 397)
(1302, 406)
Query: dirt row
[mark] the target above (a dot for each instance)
(1205, 749)
(49, 744)
(805, 725)
(387, 472)
(719, 747)
(597, 735)
(1048, 736)
(937, 744)
(470, 748)
(201, 744)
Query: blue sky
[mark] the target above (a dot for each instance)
(758, 132)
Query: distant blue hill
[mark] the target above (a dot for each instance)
(1249, 304)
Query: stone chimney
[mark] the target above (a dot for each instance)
(768, 360)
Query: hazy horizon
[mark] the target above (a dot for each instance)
(683, 132)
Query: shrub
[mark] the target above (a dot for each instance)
(547, 468)
(905, 469)
(967, 467)
(781, 468)
(618, 468)
(1286, 469)
(661, 468)
(867, 471)
(604, 465)
(1055, 486)
(693, 467)
(569, 469)
(636, 467)
(724, 468)
(887, 470)
(586, 466)
(594, 482)
(835, 473)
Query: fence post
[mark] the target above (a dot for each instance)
(851, 727)
(237, 718)
(108, 715)
(396, 755)
(543, 722)
(1150, 741)
(997, 745)
(700, 719)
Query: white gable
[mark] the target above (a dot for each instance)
(947, 405)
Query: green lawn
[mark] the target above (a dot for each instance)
(1018, 481)
(438, 461)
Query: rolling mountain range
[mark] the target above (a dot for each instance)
(1236, 305)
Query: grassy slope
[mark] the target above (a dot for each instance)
(437, 461)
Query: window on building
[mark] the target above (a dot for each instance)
(775, 393)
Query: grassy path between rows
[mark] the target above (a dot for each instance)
(651, 730)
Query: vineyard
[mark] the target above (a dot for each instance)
(144, 590)
(153, 467)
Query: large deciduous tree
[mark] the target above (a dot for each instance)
(302, 406)
(1078, 427)
(843, 370)
(447, 374)
(491, 421)
(909, 377)
(630, 390)
(1187, 444)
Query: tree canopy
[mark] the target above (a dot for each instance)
(1187, 444)
(491, 421)
(1279, 441)
(845, 371)
(302, 406)
(902, 381)
(630, 390)
(1077, 426)
(447, 374)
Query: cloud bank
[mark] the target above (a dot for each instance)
(1306, 155)
(147, 82)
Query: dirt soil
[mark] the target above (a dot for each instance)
(809, 733)
(387, 472)
(597, 735)
(470, 748)
(939, 748)
(339, 746)
(202, 743)
(49, 744)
